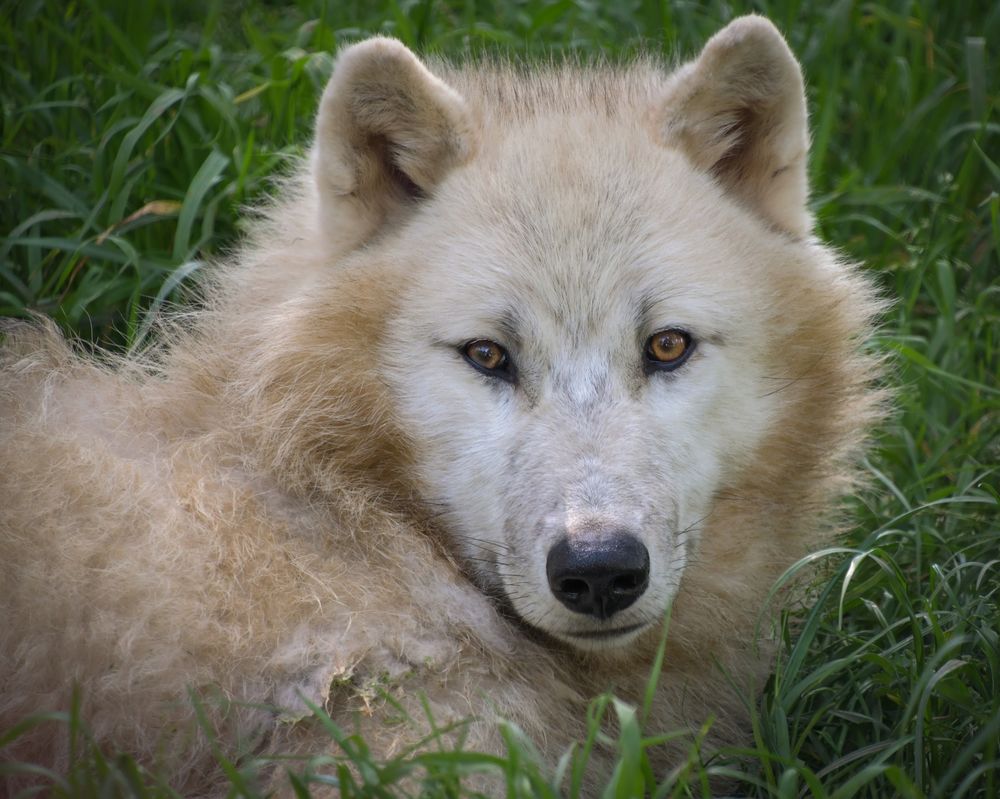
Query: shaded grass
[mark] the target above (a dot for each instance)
(132, 134)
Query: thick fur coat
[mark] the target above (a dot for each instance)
(323, 484)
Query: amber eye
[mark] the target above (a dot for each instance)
(489, 357)
(668, 349)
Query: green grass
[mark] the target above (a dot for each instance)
(133, 132)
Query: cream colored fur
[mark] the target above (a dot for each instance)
(306, 492)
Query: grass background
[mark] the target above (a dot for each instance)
(133, 131)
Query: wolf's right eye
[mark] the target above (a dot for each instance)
(490, 358)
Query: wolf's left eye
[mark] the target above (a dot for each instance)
(489, 357)
(668, 349)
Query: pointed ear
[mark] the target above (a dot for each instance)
(739, 112)
(387, 132)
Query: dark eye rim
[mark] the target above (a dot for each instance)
(505, 371)
(652, 365)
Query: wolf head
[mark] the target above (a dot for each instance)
(625, 373)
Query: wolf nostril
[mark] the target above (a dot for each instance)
(625, 583)
(573, 589)
(598, 578)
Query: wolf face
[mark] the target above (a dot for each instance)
(590, 364)
(588, 310)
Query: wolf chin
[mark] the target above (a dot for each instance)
(518, 360)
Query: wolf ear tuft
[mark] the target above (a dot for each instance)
(387, 131)
(739, 112)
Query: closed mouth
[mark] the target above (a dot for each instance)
(599, 634)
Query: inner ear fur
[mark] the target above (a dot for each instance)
(387, 130)
(738, 111)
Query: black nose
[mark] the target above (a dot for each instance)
(600, 577)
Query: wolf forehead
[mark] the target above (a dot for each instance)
(611, 215)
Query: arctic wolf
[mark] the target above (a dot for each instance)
(520, 360)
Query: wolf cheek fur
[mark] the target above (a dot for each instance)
(417, 431)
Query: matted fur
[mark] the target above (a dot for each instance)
(305, 491)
